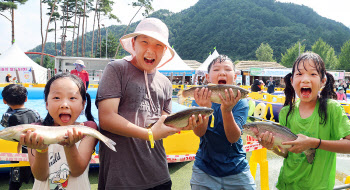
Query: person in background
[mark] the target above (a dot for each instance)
(341, 95)
(81, 73)
(15, 96)
(271, 84)
(256, 86)
(8, 78)
(342, 84)
(262, 85)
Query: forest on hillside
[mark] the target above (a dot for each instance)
(235, 27)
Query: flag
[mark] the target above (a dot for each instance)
(214, 47)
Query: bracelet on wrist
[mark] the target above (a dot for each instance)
(150, 137)
(43, 150)
(318, 144)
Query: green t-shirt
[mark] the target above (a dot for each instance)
(296, 173)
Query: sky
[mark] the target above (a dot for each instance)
(27, 17)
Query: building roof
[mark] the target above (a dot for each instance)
(192, 63)
(246, 65)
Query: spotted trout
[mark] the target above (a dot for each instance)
(180, 119)
(215, 89)
(53, 135)
(280, 133)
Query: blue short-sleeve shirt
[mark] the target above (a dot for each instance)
(216, 156)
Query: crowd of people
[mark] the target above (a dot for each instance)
(132, 94)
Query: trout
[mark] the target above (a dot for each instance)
(52, 135)
(180, 119)
(215, 89)
(280, 134)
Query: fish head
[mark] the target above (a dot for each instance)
(244, 93)
(251, 129)
(207, 111)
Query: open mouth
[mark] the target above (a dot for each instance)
(222, 82)
(305, 92)
(65, 117)
(149, 61)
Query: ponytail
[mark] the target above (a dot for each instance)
(326, 93)
(289, 93)
(88, 114)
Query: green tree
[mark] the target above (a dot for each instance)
(291, 55)
(344, 57)
(111, 48)
(327, 53)
(264, 53)
(10, 6)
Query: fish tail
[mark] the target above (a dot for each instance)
(310, 155)
(107, 141)
(181, 99)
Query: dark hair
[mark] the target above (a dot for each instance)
(85, 96)
(220, 59)
(14, 94)
(326, 93)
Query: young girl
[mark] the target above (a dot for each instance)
(63, 166)
(319, 121)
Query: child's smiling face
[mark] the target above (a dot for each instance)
(307, 81)
(221, 73)
(149, 53)
(64, 102)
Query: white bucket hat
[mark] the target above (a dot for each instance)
(153, 28)
(79, 62)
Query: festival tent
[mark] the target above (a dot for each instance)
(14, 58)
(176, 66)
(201, 70)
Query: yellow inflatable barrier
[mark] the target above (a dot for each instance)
(251, 107)
(260, 110)
(260, 157)
(179, 144)
(10, 147)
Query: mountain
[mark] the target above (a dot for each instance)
(238, 27)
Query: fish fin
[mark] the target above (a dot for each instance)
(25, 130)
(310, 155)
(19, 148)
(181, 99)
(150, 125)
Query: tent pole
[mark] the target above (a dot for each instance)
(17, 75)
(33, 75)
(171, 77)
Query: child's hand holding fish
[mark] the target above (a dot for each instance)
(72, 136)
(32, 140)
(229, 101)
(202, 97)
(160, 130)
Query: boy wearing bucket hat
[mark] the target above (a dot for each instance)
(131, 95)
(80, 72)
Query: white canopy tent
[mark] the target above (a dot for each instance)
(176, 66)
(14, 58)
(201, 70)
